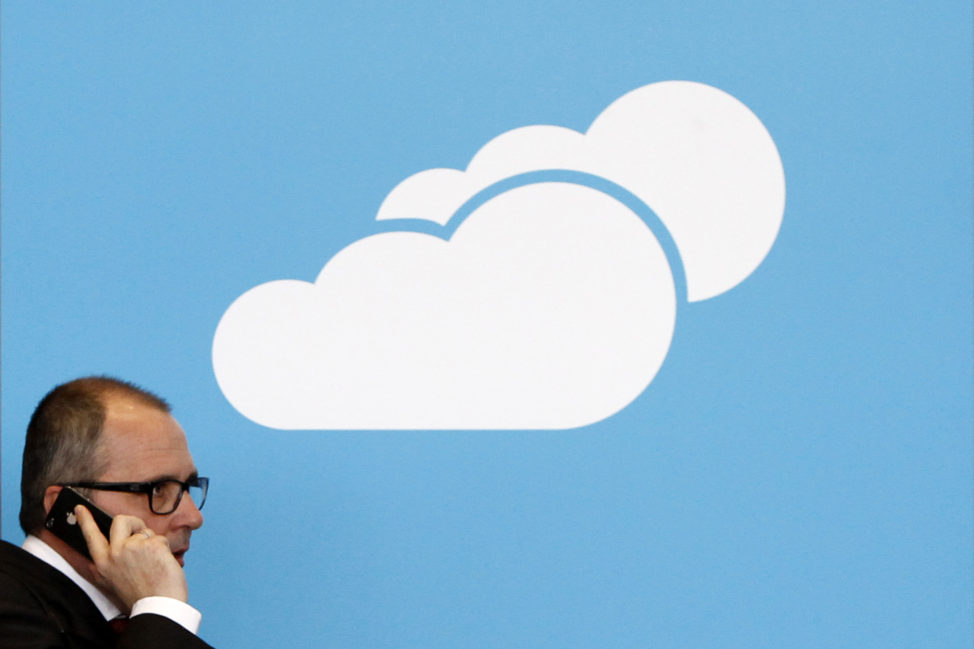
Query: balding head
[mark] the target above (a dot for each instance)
(63, 435)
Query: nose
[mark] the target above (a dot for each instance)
(187, 514)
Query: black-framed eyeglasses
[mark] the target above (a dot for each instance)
(163, 495)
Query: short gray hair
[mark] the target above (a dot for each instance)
(62, 439)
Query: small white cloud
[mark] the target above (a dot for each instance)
(552, 306)
(696, 155)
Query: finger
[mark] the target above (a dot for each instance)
(123, 527)
(97, 543)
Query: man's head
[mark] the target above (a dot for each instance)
(100, 429)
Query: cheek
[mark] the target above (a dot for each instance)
(158, 524)
(115, 503)
(108, 501)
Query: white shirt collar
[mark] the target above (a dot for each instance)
(49, 555)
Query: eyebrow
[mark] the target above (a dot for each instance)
(169, 476)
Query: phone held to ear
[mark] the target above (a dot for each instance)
(64, 524)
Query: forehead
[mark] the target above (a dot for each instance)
(140, 442)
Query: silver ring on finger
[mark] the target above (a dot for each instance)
(146, 533)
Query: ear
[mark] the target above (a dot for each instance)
(50, 495)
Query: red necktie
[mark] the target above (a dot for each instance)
(119, 623)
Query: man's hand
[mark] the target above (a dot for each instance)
(136, 562)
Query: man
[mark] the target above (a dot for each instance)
(119, 446)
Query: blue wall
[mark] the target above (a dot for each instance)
(797, 474)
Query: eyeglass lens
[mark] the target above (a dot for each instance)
(166, 495)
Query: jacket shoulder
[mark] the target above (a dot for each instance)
(41, 608)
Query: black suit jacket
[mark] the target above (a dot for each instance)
(40, 608)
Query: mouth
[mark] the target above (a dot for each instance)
(179, 554)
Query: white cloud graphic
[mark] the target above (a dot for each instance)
(694, 154)
(551, 306)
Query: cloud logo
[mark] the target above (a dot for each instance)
(538, 303)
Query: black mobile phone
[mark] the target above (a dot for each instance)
(64, 524)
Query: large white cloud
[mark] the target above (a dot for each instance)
(552, 306)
